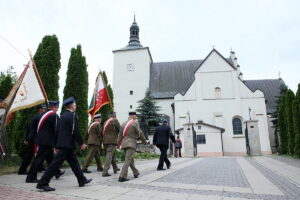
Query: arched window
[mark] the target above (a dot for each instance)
(237, 126)
(218, 93)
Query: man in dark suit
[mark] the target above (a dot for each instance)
(29, 140)
(46, 129)
(161, 139)
(67, 137)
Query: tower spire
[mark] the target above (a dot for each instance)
(134, 41)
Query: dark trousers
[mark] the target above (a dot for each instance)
(177, 152)
(44, 153)
(27, 158)
(163, 157)
(63, 154)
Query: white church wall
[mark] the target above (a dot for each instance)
(211, 81)
(235, 100)
(189, 95)
(131, 73)
(213, 145)
(215, 63)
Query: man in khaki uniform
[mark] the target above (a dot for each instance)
(130, 132)
(111, 130)
(94, 132)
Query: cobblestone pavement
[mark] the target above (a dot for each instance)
(215, 178)
(291, 161)
(221, 171)
(7, 193)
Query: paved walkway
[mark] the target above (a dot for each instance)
(217, 178)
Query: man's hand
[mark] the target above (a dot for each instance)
(83, 146)
(25, 142)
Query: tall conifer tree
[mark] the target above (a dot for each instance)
(290, 96)
(282, 125)
(77, 85)
(296, 112)
(47, 60)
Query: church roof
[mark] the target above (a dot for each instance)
(169, 78)
(271, 89)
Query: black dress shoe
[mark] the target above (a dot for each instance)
(46, 188)
(160, 169)
(136, 175)
(123, 179)
(168, 167)
(86, 171)
(59, 174)
(31, 180)
(22, 173)
(86, 181)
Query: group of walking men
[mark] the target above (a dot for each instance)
(53, 138)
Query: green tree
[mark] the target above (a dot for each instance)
(5, 86)
(47, 60)
(283, 90)
(296, 112)
(290, 96)
(77, 85)
(148, 109)
(282, 125)
(7, 79)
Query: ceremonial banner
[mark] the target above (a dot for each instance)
(100, 96)
(27, 92)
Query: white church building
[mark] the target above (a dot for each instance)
(207, 100)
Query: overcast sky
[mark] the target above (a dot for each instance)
(264, 34)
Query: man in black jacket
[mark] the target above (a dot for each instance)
(68, 134)
(161, 139)
(46, 129)
(29, 140)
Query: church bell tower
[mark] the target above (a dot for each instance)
(131, 73)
